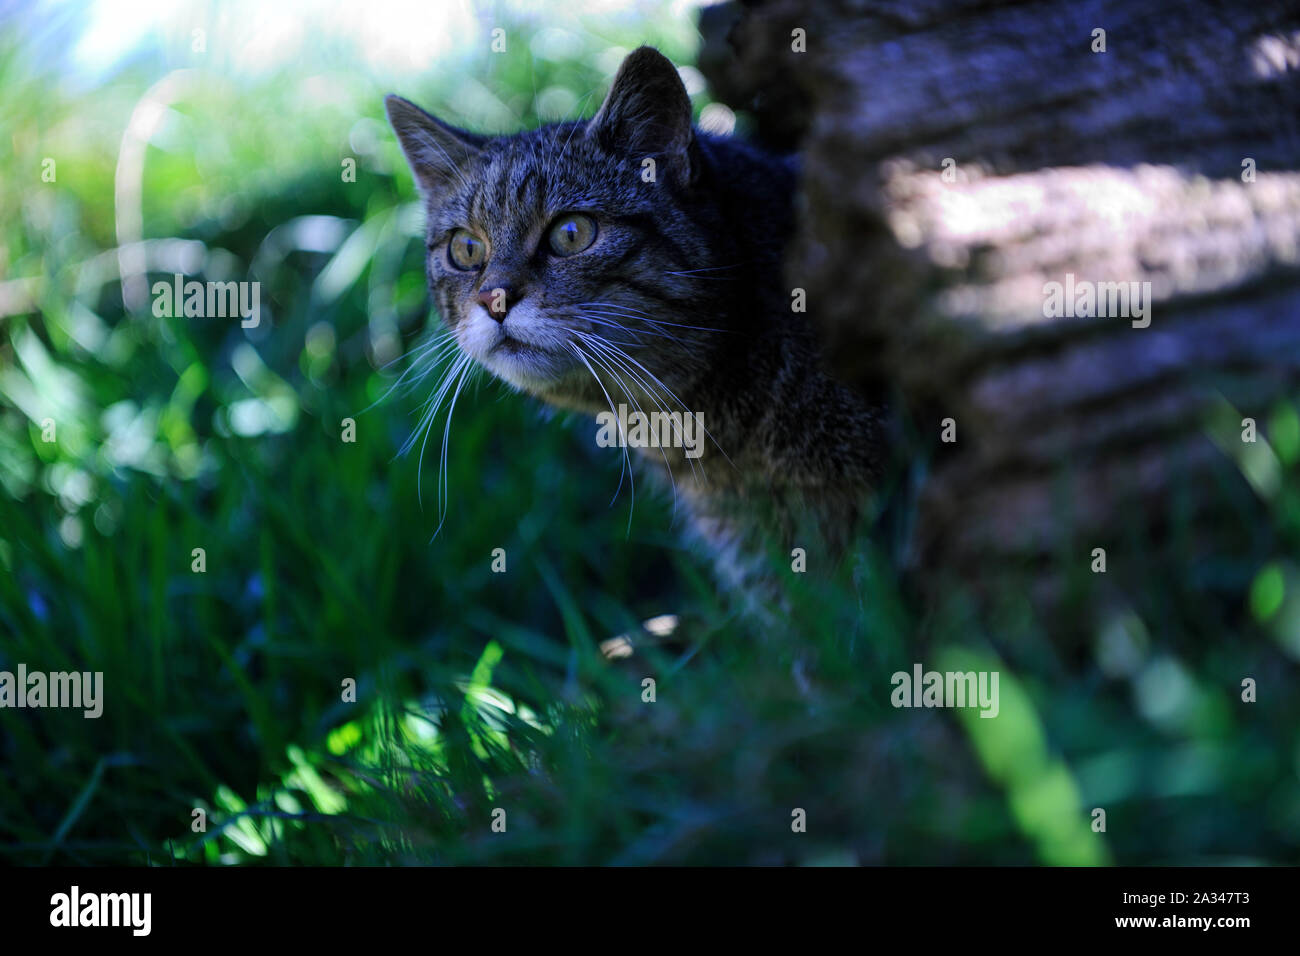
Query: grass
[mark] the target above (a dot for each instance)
(226, 695)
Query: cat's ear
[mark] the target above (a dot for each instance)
(436, 152)
(647, 113)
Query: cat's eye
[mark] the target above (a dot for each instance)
(466, 250)
(572, 234)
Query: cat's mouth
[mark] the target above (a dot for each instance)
(524, 350)
(509, 345)
(530, 367)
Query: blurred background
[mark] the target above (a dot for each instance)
(246, 141)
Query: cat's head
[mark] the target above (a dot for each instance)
(552, 251)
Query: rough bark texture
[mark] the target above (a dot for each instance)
(1123, 166)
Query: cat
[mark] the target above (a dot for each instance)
(634, 260)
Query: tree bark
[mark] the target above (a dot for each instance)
(959, 156)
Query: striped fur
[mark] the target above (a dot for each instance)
(683, 283)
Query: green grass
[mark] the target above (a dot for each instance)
(474, 690)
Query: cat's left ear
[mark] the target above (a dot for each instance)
(436, 152)
(648, 114)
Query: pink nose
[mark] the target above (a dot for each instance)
(497, 301)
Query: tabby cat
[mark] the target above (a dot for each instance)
(633, 259)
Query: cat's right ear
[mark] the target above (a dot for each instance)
(647, 112)
(436, 152)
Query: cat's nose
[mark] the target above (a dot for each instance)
(497, 300)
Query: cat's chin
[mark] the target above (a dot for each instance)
(563, 385)
(529, 369)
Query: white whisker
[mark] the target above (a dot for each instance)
(627, 461)
(612, 356)
(608, 366)
(442, 344)
(683, 405)
(426, 422)
(444, 494)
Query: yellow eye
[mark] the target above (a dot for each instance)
(572, 234)
(465, 250)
